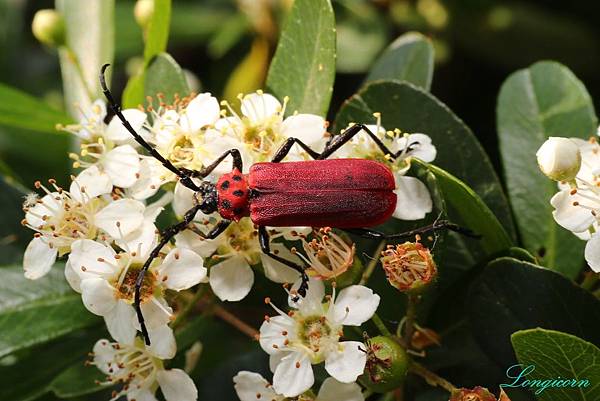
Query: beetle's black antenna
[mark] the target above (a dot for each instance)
(436, 226)
(183, 175)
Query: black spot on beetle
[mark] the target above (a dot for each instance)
(237, 178)
(225, 204)
(238, 210)
(238, 193)
(225, 185)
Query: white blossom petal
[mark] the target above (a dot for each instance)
(312, 303)
(156, 312)
(72, 277)
(260, 107)
(48, 206)
(333, 390)
(39, 258)
(117, 133)
(181, 269)
(413, 201)
(355, 305)
(293, 375)
(121, 218)
(202, 110)
(421, 145)
(151, 176)
(92, 182)
(104, 356)
(271, 339)
(98, 296)
(232, 279)
(277, 271)
(122, 164)
(275, 359)
(176, 385)
(86, 256)
(347, 362)
(162, 342)
(143, 394)
(309, 128)
(120, 322)
(573, 218)
(204, 247)
(251, 386)
(592, 253)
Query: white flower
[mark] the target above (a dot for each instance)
(251, 386)
(107, 279)
(262, 127)
(559, 158)
(311, 335)
(414, 201)
(141, 371)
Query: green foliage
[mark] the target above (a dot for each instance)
(513, 295)
(536, 103)
(90, 44)
(35, 312)
(303, 67)
(404, 106)
(409, 58)
(559, 355)
(165, 76)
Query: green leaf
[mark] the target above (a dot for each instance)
(13, 236)
(536, 103)
(409, 58)
(21, 110)
(303, 67)
(471, 211)
(34, 312)
(411, 109)
(358, 21)
(90, 44)
(165, 76)
(158, 29)
(513, 295)
(559, 355)
(77, 380)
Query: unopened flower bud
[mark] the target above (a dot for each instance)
(387, 365)
(49, 28)
(143, 11)
(559, 159)
(408, 266)
(475, 394)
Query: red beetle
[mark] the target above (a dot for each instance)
(342, 193)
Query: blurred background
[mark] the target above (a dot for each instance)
(226, 46)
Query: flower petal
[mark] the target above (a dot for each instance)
(162, 342)
(47, 206)
(117, 133)
(92, 182)
(156, 312)
(152, 175)
(293, 375)
(355, 305)
(122, 164)
(333, 390)
(573, 218)
(203, 247)
(592, 253)
(72, 277)
(272, 338)
(251, 386)
(176, 385)
(421, 146)
(312, 303)
(38, 258)
(309, 128)
(232, 279)
(121, 218)
(181, 269)
(259, 107)
(348, 362)
(414, 201)
(143, 394)
(98, 296)
(277, 271)
(201, 111)
(86, 256)
(120, 322)
(104, 356)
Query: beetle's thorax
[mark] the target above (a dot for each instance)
(233, 194)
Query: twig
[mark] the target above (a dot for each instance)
(233, 320)
(411, 314)
(430, 377)
(380, 325)
(372, 264)
(189, 307)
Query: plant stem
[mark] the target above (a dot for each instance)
(411, 314)
(236, 322)
(380, 325)
(589, 280)
(372, 264)
(189, 307)
(430, 377)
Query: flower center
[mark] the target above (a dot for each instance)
(408, 265)
(241, 240)
(316, 334)
(126, 289)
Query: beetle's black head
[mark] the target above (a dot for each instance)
(207, 197)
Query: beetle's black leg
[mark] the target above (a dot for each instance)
(263, 238)
(166, 236)
(438, 225)
(334, 144)
(237, 163)
(183, 175)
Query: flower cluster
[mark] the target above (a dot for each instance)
(575, 164)
(105, 227)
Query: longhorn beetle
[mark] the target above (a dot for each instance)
(348, 194)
